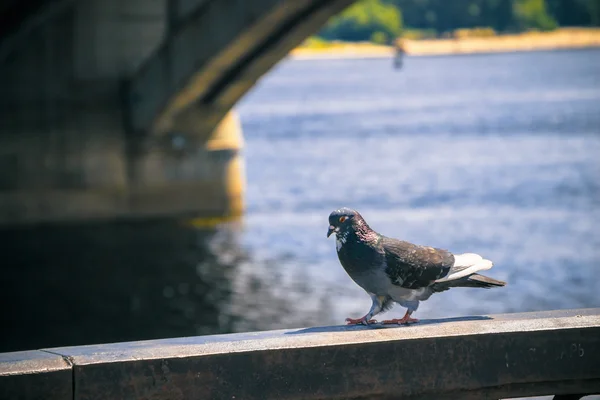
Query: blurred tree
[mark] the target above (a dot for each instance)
(379, 38)
(532, 14)
(382, 20)
(446, 16)
(575, 12)
(365, 20)
(497, 14)
(594, 12)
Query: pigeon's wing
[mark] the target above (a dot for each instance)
(411, 266)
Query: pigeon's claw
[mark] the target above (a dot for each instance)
(360, 321)
(404, 320)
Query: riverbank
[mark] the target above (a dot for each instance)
(565, 38)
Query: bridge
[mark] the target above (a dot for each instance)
(114, 109)
(484, 357)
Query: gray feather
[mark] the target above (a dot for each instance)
(474, 281)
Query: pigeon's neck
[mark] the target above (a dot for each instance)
(363, 233)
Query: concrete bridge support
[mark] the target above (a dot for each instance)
(65, 151)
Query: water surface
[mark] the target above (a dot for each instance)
(496, 154)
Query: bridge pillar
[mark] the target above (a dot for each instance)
(96, 172)
(189, 171)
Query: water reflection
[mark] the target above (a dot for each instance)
(100, 283)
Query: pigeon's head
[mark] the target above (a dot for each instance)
(342, 220)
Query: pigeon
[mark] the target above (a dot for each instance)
(394, 271)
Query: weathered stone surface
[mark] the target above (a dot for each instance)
(504, 355)
(29, 375)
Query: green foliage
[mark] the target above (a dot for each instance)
(379, 38)
(474, 33)
(363, 20)
(445, 16)
(419, 34)
(532, 14)
(593, 8)
(575, 12)
(374, 19)
(315, 42)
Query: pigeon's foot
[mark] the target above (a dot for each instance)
(404, 320)
(359, 321)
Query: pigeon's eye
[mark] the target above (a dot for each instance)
(342, 219)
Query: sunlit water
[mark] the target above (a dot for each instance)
(493, 154)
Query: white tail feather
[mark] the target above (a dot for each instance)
(466, 264)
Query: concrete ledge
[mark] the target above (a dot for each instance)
(28, 375)
(500, 356)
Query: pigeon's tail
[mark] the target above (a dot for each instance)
(464, 274)
(474, 281)
(465, 265)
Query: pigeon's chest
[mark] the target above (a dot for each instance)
(365, 265)
(358, 257)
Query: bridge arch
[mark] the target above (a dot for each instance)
(191, 82)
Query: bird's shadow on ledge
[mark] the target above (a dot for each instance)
(350, 328)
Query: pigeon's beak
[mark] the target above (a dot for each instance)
(331, 230)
